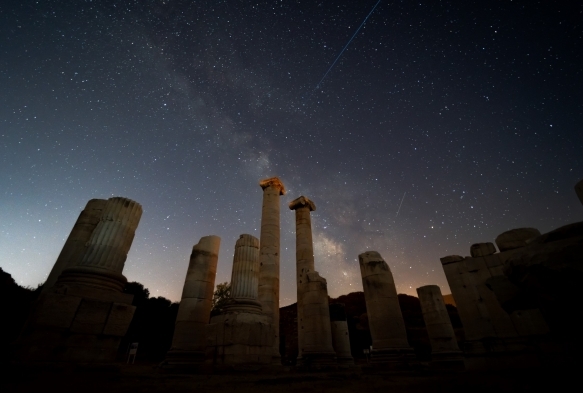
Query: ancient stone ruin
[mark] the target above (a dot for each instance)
(242, 335)
(340, 336)
(387, 328)
(445, 351)
(314, 331)
(189, 341)
(84, 314)
(269, 256)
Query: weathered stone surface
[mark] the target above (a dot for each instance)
(268, 290)
(91, 317)
(119, 319)
(56, 310)
(103, 260)
(239, 340)
(387, 327)
(451, 259)
(245, 273)
(76, 243)
(482, 249)
(444, 346)
(189, 340)
(304, 257)
(515, 238)
(340, 335)
(82, 317)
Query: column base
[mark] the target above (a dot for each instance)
(243, 305)
(92, 277)
(346, 361)
(75, 324)
(239, 340)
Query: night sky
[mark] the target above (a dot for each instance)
(444, 123)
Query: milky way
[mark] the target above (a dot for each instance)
(471, 109)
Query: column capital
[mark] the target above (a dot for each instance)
(301, 202)
(273, 182)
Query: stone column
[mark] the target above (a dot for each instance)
(579, 190)
(444, 347)
(83, 317)
(340, 336)
(107, 249)
(269, 255)
(387, 328)
(241, 336)
(75, 246)
(304, 256)
(189, 341)
(317, 348)
(245, 274)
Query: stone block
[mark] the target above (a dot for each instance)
(56, 310)
(91, 317)
(482, 249)
(119, 319)
(451, 259)
(515, 238)
(194, 310)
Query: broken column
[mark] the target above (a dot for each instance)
(340, 336)
(76, 243)
(245, 274)
(387, 328)
(83, 317)
(189, 341)
(494, 338)
(314, 332)
(241, 337)
(269, 255)
(444, 348)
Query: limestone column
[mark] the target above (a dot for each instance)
(304, 256)
(317, 333)
(241, 335)
(269, 254)
(444, 347)
(75, 246)
(245, 274)
(103, 261)
(340, 336)
(387, 328)
(189, 341)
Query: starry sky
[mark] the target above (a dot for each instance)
(443, 123)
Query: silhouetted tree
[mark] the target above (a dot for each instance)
(221, 297)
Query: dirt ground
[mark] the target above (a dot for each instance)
(149, 378)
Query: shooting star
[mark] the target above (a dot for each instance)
(348, 43)
(402, 199)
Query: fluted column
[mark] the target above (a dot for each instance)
(76, 243)
(189, 341)
(340, 336)
(245, 275)
(441, 335)
(304, 256)
(111, 240)
(107, 249)
(269, 253)
(387, 328)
